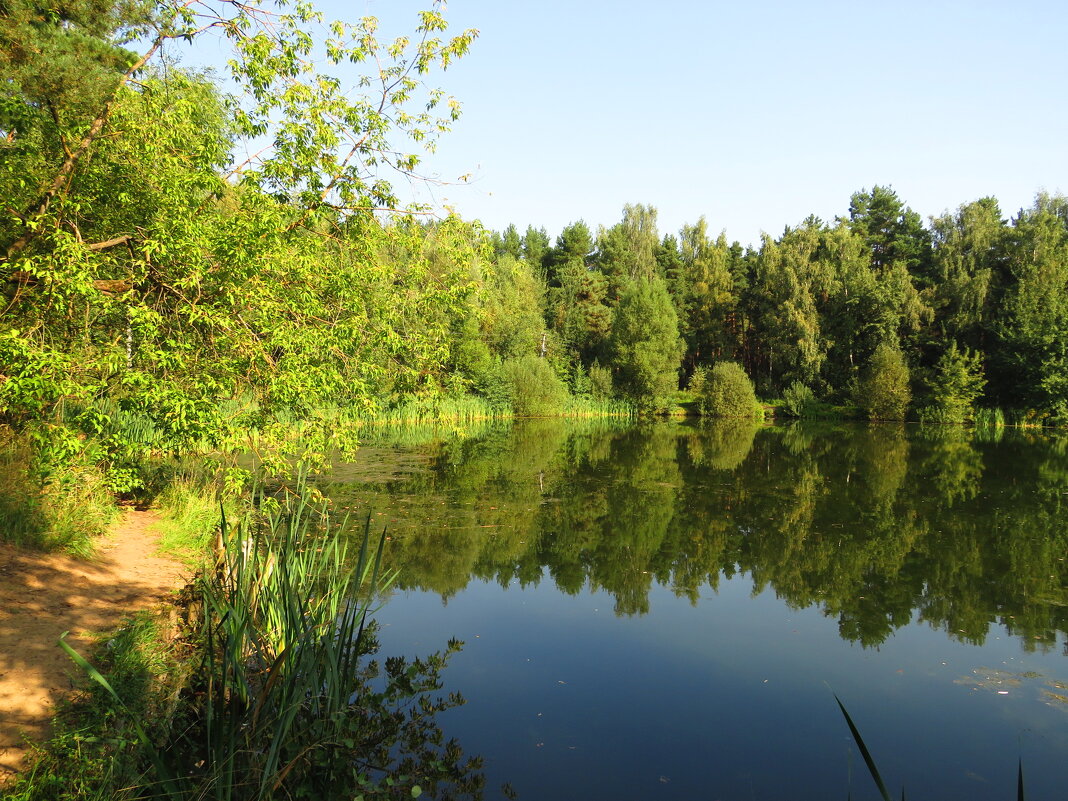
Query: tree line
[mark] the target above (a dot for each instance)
(877, 308)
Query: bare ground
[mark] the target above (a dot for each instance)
(44, 595)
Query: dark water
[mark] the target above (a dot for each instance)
(664, 612)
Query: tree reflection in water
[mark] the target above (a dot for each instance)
(875, 525)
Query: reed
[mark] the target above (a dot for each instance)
(869, 761)
(289, 704)
(989, 418)
(452, 410)
(586, 407)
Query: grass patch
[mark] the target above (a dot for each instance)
(59, 509)
(190, 521)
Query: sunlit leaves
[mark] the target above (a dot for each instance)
(328, 144)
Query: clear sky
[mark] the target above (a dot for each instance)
(753, 114)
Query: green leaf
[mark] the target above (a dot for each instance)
(874, 771)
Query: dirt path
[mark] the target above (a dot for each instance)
(43, 595)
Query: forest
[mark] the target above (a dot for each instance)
(962, 313)
(188, 258)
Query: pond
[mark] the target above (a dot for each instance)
(667, 611)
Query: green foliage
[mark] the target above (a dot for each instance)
(166, 279)
(969, 257)
(600, 382)
(1031, 364)
(579, 310)
(798, 400)
(698, 378)
(512, 324)
(645, 345)
(626, 252)
(704, 289)
(954, 386)
(51, 507)
(788, 276)
(535, 388)
(893, 232)
(728, 392)
(884, 393)
(574, 246)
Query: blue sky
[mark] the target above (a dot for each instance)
(754, 114)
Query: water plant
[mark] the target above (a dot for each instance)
(286, 702)
(281, 696)
(869, 761)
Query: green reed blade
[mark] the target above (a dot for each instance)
(865, 753)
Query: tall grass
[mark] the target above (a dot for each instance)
(1011, 418)
(62, 508)
(284, 627)
(289, 706)
(989, 418)
(585, 406)
(451, 410)
(190, 508)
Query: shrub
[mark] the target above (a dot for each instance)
(954, 386)
(884, 392)
(798, 400)
(536, 388)
(728, 392)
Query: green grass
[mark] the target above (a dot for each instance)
(190, 519)
(62, 509)
(94, 751)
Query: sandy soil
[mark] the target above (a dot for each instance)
(43, 595)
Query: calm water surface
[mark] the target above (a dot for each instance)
(664, 611)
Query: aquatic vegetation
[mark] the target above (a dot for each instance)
(273, 690)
